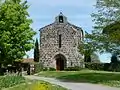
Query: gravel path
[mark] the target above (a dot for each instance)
(73, 86)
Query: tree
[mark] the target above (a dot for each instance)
(16, 35)
(112, 31)
(114, 58)
(106, 20)
(89, 54)
(87, 49)
(95, 58)
(36, 51)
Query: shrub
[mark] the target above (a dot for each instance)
(9, 81)
(114, 67)
(52, 69)
(104, 66)
(45, 69)
(2, 71)
(94, 66)
(76, 68)
(38, 67)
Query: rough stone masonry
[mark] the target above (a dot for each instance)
(59, 43)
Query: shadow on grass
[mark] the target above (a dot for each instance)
(90, 77)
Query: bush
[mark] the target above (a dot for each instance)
(94, 66)
(38, 67)
(48, 69)
(114, 67)
(9, 81)
(45, 69)
(2, 71)
(104, 66)
(76, 68)
(52, 69)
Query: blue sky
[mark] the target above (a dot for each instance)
(43, 12)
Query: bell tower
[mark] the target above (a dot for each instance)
(61, 19)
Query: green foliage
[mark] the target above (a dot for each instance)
(94, 66)
(112, 32)
(52, 69)
(48, 69)
(88, 49)
(105, 35)
(76, 68)
(95, 58)
(41, 68)
(36, 51)
(16, 35)
(38, 67)
(9, 81)
(87, 56)
(115, 67)
(106, 67)
(45, 69)
(114, 59)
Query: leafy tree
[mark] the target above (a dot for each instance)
(36, 51)
(112, 31)
(89, 54)
(114, 59)
(87, 49)
(16, 35)
(105, 35)
(95, 58)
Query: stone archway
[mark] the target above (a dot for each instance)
(60, 62)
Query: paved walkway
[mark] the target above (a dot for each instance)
(73, 86)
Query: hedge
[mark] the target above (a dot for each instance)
(94, 66)
(76, 68)
(103, 66)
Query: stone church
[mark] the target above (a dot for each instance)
(59, 44)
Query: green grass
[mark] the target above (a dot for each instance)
(11, 80)
(36, 85)
(86, 76)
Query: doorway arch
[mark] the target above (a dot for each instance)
(60, 62)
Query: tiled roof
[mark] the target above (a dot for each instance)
(28, 60)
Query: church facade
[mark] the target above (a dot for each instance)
(59, 43)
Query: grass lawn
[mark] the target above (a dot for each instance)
(86, 76)
(36, 85)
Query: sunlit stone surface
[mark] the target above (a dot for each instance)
(59, 41)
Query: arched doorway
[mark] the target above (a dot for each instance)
(60, 62)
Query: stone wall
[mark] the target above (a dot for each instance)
(71, 37)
